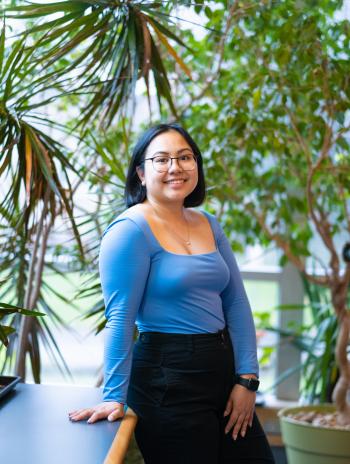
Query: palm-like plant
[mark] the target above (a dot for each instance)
(6, 330)
(316, 339)
(94, 53)
(107, 45)
(35, 195)
(111, 168)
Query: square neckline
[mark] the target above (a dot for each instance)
(156, 241)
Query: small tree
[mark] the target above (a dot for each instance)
(276, 138)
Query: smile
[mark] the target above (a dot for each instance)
(175, 181)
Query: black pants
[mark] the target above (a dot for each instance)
(179, 386)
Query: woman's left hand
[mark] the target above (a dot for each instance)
(240, 406)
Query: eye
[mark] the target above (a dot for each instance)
(185, 157)
(161, 159)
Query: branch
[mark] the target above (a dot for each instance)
(345, 204)
(322, 264)
(299, 137)
(340, 132)
(280, 242)
(342, 386)
(321, 223)
(346, 277)
(283, 245)
(234, 11)
(326, 91)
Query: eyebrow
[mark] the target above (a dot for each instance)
(168, 153)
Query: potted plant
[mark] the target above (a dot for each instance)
(276, 141)
(320, 433)
(316, 339)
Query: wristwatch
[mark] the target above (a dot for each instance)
(251, 384)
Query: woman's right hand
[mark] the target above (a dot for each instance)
(110, 410)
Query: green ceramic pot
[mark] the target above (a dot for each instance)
(308, 444)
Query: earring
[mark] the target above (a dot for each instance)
(143, 183)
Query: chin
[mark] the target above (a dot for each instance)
(175, 195)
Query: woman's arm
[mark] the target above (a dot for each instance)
(124, 262)
(238, 313)
(241, 402)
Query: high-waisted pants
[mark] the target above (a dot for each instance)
(179, 387)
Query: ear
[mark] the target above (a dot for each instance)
(140, 173)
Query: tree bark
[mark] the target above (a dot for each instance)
(34, 277)
(339, 397)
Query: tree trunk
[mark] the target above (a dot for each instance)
(27, 339)
(343, 384)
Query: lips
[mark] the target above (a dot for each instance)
(175, 181)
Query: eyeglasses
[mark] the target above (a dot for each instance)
(162, 163)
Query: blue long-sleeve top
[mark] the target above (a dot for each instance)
(161, 291)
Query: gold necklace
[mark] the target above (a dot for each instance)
(188, 240)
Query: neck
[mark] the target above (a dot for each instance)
(173, 210)
(172, 215)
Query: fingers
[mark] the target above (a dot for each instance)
(243, 427)
(241, 416)
(109, 410)
(96, 416)
(236, 420)
(228, 408)
(251, 418)
(80, 414)
(116, 414)
(238, 426)
(240, 406)
(231, 422)
(239, 421)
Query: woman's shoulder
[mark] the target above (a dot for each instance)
(201, 215)
(204, 215)
(123, 239)
(128, 221)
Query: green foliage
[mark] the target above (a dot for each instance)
(266, 98)
(273, 123)
(5, 310)
(107, 182)
(315, 338)
(83, 53)
(100, 49)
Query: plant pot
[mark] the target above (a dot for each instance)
(309, 444)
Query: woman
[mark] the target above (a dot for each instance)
(170, 268)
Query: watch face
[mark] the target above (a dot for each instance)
(251, 384)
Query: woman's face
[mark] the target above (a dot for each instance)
(176, 183)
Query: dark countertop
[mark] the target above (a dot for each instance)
(35, 429)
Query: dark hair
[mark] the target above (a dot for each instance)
(135, 192)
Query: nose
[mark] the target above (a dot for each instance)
(175, 166)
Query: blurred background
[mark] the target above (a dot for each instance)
(263, 88)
